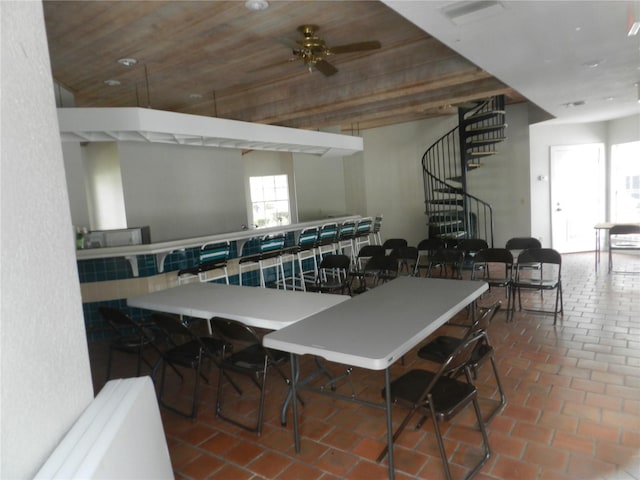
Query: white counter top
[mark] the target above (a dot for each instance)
(162, 249)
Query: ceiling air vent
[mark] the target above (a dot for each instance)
(462, 13)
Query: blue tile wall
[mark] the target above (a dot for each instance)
(118, 268)
(102, 269)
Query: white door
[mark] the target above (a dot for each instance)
(577, 195)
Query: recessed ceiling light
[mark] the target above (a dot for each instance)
(112, 83)
(634, 29)
(577, 103)
(195, 96)
(256, 5)
(592, 63)
(127, 62)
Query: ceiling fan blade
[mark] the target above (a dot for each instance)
(355, 47)
(325, 68)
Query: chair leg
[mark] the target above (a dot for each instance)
(503, 397)
(485, 441)
(443, 453)
(109, 363)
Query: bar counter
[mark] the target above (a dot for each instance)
(109, 275)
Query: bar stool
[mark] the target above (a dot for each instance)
(306, 250)
(346, 236)
(377, 227)
(271, 248)
(363, 231)
(212, 264)
(268, 256)
(327, 240)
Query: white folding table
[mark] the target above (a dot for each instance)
(257, 307)
(373, 330)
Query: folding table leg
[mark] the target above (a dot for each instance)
(387, 400)
(295, 373)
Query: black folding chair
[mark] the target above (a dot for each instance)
(439, 350)
(130, 337)
(495, 266)
(333, 275)
(187, 350)
(441, 396)
(549, 277)
(251, 359)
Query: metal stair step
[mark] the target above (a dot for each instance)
(479, 130)
(487, 153)
(452, 201)
(482, 116)
(472, 143)
(473, 166)
(449, 189)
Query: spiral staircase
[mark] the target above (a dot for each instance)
(452, 212)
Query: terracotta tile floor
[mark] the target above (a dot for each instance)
(573, 408)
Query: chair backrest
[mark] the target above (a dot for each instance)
(386, 264)
(430, 244)
(347, 230)
(116, 318)
(272, 242)
(308, 237)
(448, 255)
(472, 245)
(624, 229)
(377, 224)
(214, 252)
(522, 243)
(456, 361)
(333, 261)
(371, 251)
(494, 255)
(171, 326)
(540, 255)
(122, 324)
(232, 330)
(364, 226)
(393, 243)
(405, 253)
(328, 233)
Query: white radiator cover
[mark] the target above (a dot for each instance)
(119, 436)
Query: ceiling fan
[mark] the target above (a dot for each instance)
(312, 50)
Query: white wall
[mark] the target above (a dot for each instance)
(45, 375)
(104, 186)
(386, 178)
(392, 173)
(320, 186)
(394, 182)
(503, 179)
(74, 167)
(542, 137)
(182, 192)
(624, 130)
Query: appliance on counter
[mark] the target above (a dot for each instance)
(117, 238)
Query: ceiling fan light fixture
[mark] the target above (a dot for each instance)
(256, 5)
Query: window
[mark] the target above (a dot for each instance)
(625, 182)
(270, 200)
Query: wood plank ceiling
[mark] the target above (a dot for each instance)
(219, 59)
